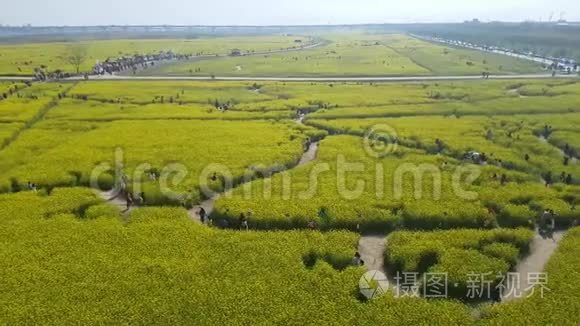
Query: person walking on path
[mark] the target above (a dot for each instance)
(503, 180)
(202, 215)
(551, 226)
(243, 222)
(129, 201)
(312, 225)
(356, 260)
(141, 199)
(547, 224)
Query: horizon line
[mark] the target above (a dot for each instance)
(296, 25)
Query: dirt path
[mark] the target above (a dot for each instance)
(573, 160)
(372, 247)
(372, 251)
(309, 155)
(116, 200)
(516, 92)
(208, 204)
(540, 252)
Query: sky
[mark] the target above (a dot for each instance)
(272, 12)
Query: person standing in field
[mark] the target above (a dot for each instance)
(141, 199)
(545, 218)
(356, 260)
(123, 183)
(129, 200)
(503, 180)
(243, 222)
(202, 215)
(548, 179)
(312, 225)
(551, 226)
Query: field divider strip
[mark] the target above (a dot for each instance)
(37, 117)
(411, 59)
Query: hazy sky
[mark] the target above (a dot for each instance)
(272, 12)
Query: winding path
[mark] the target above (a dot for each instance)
(543, 139)
(540, 252)
(208, 205)
(372, 250)
(116, 200)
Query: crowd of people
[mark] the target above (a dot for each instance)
(131, 199)
(135, 62)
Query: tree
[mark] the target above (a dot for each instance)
(75, 55)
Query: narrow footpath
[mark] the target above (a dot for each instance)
(540, 252)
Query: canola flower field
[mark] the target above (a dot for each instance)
(70, 257)
(82, 264)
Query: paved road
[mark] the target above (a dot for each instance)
(312, 79)
(15, 78)
(327, 79)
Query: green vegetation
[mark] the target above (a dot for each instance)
(72, 246)
(22, 59)
(7, 131)
(442, 60)
(68, 257)
(74, 109)
(457, 99)
(293, 199)
(357, 55)
(69, 151)
(506, 140)
(543, 39)
(166, 92)
(82, 268)
(557, 304)
(458, 253)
